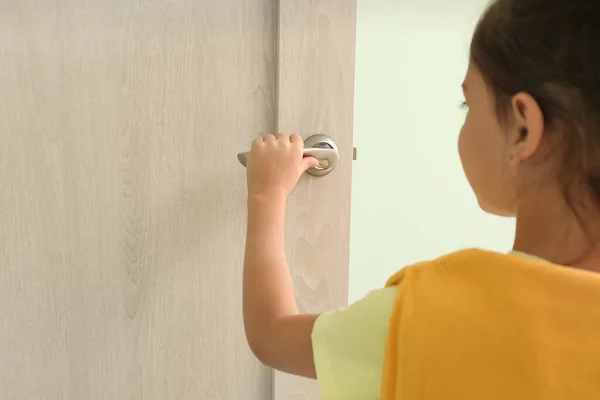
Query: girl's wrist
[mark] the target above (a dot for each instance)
(271, 197)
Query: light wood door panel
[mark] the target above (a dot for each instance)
(122, 205)
(316, 95)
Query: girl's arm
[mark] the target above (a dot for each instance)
(278, 336)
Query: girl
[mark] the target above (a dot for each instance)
(472, 324)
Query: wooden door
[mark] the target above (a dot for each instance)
(122, 204)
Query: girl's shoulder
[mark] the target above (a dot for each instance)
(472, 262)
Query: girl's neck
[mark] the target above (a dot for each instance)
(547, 227)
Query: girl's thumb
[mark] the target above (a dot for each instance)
(309, 162)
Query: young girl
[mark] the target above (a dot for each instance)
(472, 324)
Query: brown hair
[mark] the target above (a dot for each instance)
(549, 49)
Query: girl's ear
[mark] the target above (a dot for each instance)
(528, 129)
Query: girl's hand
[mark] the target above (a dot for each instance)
(275, 164)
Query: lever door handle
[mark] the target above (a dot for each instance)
(323, 155)
(321, 147)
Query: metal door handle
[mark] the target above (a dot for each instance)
(321, 147)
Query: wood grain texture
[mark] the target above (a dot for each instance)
(121, 200)
(316, 95)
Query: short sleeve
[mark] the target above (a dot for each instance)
(349, 346)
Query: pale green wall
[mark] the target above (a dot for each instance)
(410, 199)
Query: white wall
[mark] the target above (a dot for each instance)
(410, 199)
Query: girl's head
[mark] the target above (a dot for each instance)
(533, 93)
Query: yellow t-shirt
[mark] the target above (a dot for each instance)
(348, 347)
(506, 302)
